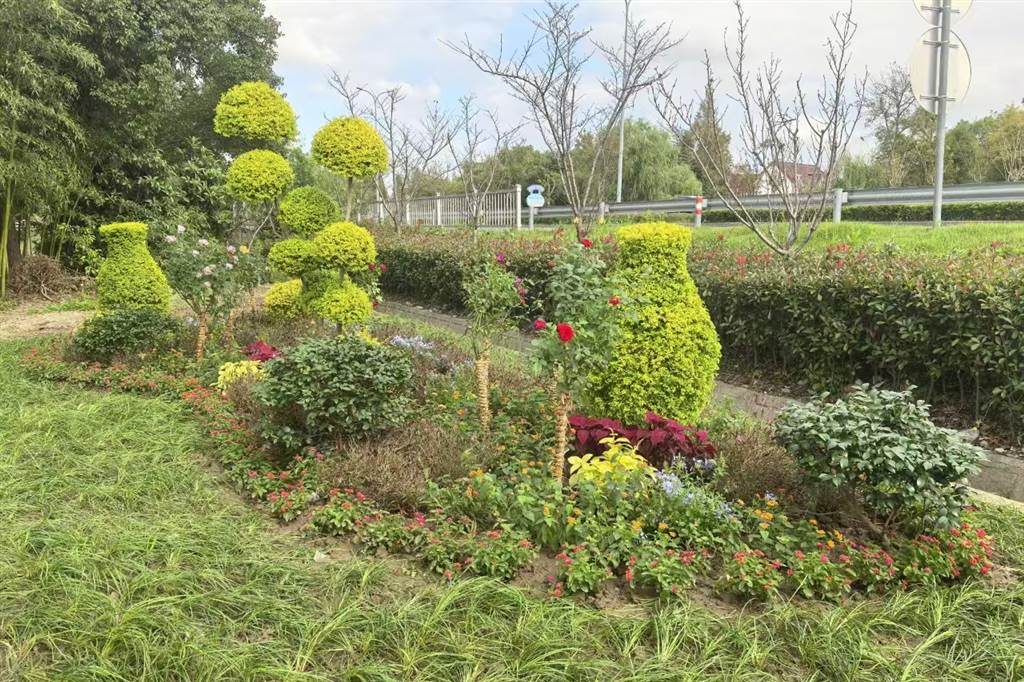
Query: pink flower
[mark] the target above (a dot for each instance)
(615, 300)
(539, 324)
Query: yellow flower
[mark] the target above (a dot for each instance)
(831, 545)
(456, 395)
(547, 510)
(813, 522)
(772, 503)
(571, 520)
(662, 526)
(243, 248)
(476, 473)
(764, 526)
(637, 525)
(839, 536)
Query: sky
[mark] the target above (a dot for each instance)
(382, 43)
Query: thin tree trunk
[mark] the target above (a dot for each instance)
(229, 327)
(201, 337)
(483, 384)
(348, 200)
(562, 408)
(5, 236)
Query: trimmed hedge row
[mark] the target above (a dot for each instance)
(954, 328)
(913, 213)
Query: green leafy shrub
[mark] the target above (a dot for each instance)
(346, 247)
(882, 448)
(129, 276)
(283, 301)
(125, 332)
(667, 353)
(255, 111)
(344, 304)
(259, 175)
(334, 387)
(294, 256)
(350, 147)
(307, 210)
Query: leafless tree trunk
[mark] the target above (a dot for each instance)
(412, 148)
(795, 151)
(547, 74)
(476, 145)
(889, 107)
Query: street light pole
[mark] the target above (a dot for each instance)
(622, 118)
(940, 110)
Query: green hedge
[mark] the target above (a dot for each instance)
(954, 328)
(914, 213)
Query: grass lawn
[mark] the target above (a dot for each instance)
(949, 239)
(125, 559)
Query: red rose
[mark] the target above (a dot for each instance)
(565, 332)
(586, 243)
(540, 324)
(615, 300)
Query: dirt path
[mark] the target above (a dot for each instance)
(23, 323)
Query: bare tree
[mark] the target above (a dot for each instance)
(796, 152)
(413, 149)
(547, 74)
(889, 108)
(476, 144)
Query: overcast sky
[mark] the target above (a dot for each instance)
(383, 42)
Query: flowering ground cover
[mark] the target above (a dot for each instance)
(122, 483)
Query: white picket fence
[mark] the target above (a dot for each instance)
(500, 208)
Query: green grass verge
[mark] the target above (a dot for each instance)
(125, 560)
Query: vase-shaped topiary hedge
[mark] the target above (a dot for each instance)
(667, 353)
(255, 111)
(307, 210)
(129, 277)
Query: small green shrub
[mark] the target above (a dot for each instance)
(125, 332)
(259, 175)
(667, 353)
(294, 256)
(255, 111)
(881, 447)
(335, 387)
(283, 301)
(307, 210)
(350, 147)
(344, 304)
(129, 276)
(346, 247)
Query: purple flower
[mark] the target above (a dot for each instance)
(500, 258)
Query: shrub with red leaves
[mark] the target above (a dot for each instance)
(260, 351)
(661, 441)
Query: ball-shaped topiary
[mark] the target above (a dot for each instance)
(343, 304)
(350, 147)
(283, 300)
(294, 256)
(129, 277)
(255, 111)
(307, 210)
(346, 246)
(667, 355)
(259, 175)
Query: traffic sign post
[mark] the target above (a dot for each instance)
(934, 82)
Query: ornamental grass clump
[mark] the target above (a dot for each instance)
(880, 452)
(666, 355)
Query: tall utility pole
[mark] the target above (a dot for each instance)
(940, 109)
(622, 119)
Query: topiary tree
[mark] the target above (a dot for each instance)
(351, 148)
(307, 210)
(260, 175)
(255, 111)
(335, 276)
(129, 277)
(667, 352)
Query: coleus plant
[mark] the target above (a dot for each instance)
(661, 441)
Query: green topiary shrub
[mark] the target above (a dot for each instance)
(343, 304)
(293, 257)
(255, 111)
(129, 276)
(667, 353)
(330, 388)
(350, 147)
(346, 246)
(259, 175)
(125, 332)
(307, 210)
(283, 301)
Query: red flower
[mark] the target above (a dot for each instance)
(615, 300)
(565, 332)
(586, 243)
(539, 324)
